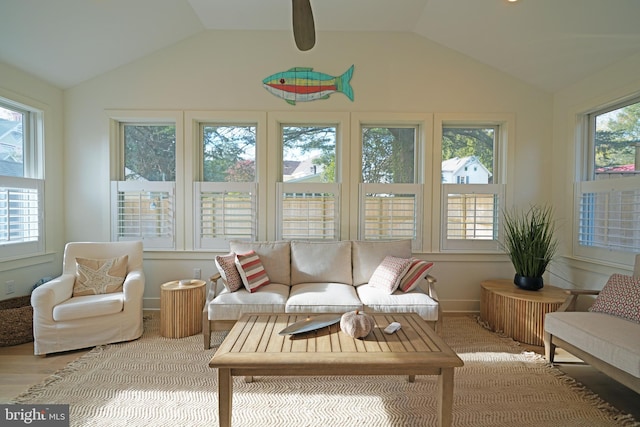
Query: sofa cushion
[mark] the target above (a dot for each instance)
(387, 275)
(275, 257)
(377, 301)
(88, 306)
(417, 270)
(609, 338)
(100, 276)
(322, 298)
(251, 271)
(367, 255)
(270, 298)
(226, 265)
(320, 262)
(620, 297)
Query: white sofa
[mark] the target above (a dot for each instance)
(318, 277)
(607, 342)
(63, 322)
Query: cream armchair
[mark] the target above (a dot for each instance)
(64, 322)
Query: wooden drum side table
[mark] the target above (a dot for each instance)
(517, 313)
(181, 303)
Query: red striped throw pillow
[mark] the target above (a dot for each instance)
(252, 271)
(417, 270)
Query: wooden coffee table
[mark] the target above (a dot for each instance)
(254, 347)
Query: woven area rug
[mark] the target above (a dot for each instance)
(156, 381)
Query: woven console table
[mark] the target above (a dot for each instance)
(181, 303)
(517, 313)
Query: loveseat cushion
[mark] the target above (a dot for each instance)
(322, 298)
(227, 305)
(275, 257)
(321, 262)
(377, 301)
(609, 338)
(88, 306)
(367, 256)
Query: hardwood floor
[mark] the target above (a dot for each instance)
(20, 369)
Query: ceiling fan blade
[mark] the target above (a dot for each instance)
(304, 30)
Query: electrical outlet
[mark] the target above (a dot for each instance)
(10, 287)
(196, 273)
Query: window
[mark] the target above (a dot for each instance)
(227, 197)
(308, 191)
(472, 187)
(144, 192)
(608, 196)
(390, 195)
(21, 186)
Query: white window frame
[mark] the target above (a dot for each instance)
(423, 123)
(194, 120)
(340, 121)
(118, 118)
(503, 164)
(610, 189)
(32, 182)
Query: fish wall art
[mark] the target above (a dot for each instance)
(300, 84)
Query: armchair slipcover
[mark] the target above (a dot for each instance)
(63, 322)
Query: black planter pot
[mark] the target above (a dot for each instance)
(528, 283)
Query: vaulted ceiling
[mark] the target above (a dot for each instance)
(547, 43)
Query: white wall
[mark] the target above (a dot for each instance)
(223, 71)
(613, 83)
(23, 88)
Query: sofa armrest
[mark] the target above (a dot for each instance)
(213, 280)
(431, 283)
(570, 303)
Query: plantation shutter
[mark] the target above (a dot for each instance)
(224, 211)
(21, 216)
(470, 214)
(144, 211)
(609, 215)
(308, 211)
(391, 211)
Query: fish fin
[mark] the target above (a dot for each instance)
(290, 102)
(297, 69)
(344, 83)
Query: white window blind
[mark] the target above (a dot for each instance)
(21, 216)
(470, 214)
(391, 211)
(224, 211)
(609, 215)
(309, 211)
(144, 211)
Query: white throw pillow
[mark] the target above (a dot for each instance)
(389, 273)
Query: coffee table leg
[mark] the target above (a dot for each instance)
(225, 395)
(445, 397)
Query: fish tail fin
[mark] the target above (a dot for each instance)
(344, 83)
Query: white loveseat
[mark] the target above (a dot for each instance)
(318, 277)
(608, 342)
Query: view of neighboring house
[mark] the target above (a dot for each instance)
(465, 170)
(10, 147)
(302, 171)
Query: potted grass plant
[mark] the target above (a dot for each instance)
(530, 243)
